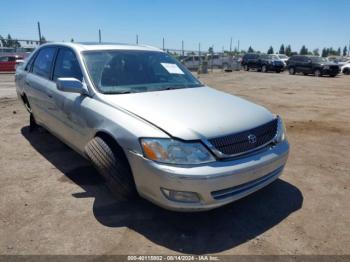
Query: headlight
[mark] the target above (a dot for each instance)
(281, 131)
(172, 151)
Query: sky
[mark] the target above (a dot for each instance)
(256, 23)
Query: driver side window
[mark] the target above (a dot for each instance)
(67, 65)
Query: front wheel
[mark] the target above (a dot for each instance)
(317, 73)
(346, 71)
(291, 71)
(111, 162)
(278, 71)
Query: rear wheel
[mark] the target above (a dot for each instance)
(317, 73)
(278, 71)
(346, 71)
(291, 71)
(109, 159)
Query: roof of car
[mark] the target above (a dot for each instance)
(91, 46)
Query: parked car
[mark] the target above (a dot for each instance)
(149, 126)
(228, 63)
(8, 63)
(316, 65)
(345, 69)
(193, 62)
(283, 58)
(262, 62)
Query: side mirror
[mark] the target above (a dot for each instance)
(72, 85)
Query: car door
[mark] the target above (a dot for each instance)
(70, 117)
(5, 64)
(38, 84)
(304, 65)
(253, 61)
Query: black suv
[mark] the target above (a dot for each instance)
(312, 65)
(262, 62)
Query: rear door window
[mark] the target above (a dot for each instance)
(67, 65)
(43, 62)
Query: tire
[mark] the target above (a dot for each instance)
(246, 68)
(346, 71)
(264, 68)
(111, 162)
(278, 71)
(332, 75)
(291, 70)
(305, 74)
(317, 73)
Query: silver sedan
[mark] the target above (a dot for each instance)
(149, 126)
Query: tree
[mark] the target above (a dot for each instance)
(270, 51)
(303, 50)
(288, 50)
(316, 52)
(250, 50)
(324, 52)
(9, 42)
(43, 40)
(345, 51)
(282, 51)
(72, 40)
(339, 51)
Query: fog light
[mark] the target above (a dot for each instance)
(180, 196)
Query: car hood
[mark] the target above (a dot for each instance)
(193, 113)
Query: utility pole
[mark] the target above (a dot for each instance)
(182, 47)
(349, 49)
(238, 47)
(39, 31)
(199, 50)
(163, 44)
(99, 36)
(137, 39)
(231, 45)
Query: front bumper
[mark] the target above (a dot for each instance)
(330, 71)
(216, 183)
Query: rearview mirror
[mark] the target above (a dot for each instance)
(72, 85)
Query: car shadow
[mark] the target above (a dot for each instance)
(194, 233)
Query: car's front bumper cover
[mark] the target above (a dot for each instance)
(216, 183)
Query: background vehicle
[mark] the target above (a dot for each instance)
(8, 62)
(345, 69)
(284, 58)
(312, 65)
(214, 61)
(150, 127)
(262, 62)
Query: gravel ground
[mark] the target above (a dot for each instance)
(53, 202)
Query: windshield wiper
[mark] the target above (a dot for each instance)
(117, 92)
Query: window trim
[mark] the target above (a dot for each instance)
(59, 48)
(52, 63)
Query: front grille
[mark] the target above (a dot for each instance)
(249, 140)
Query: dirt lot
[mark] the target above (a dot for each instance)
(53, 202)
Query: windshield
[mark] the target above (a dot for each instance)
(130, 71)
(318, 59)
(283, 56)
